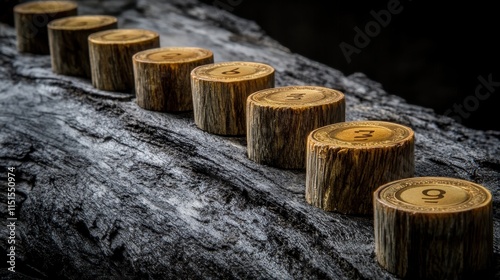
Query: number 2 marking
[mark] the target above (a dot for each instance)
(431, 196)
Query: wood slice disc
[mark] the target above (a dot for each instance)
(68, 41)
(162, 77)
(434, 228)
(279, 120)
(111, 53)
(31, 19)
(220, 92)
(346, 162)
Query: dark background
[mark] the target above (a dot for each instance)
(431, 54)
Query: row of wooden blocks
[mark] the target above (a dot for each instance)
(428, 227)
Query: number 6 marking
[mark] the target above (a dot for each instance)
(431, 198)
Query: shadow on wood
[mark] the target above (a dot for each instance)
(107, 189)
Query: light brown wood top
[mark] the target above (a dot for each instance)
(122, 36)
(81, 22)
(433, 194)
(44, 7)
(172, 55)
(296, 96)
(232, 71)
(363, 134)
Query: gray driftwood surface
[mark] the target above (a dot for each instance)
(107, 190)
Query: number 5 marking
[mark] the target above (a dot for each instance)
(366, 134)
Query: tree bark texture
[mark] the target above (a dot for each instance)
(31, 19)
(219, 100)
(418, 242)
(68, 42)
(108, 190)
(163, 77)
(111, 62)
(342, 173)
(279, 120)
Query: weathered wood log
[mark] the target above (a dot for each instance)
(220, 93)
(163, 77)
(111, 53)
(434, 228)
(106, 189)
(68, 42)
(279, 120)
(346, 162)
(31, 21)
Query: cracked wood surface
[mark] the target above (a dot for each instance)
(107, 190)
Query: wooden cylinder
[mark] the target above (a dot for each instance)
(434, 228)
(279, 120)
(31, 19)
(163, 77)
(347, 161)
(220, 91)
(68, 41)
(111, 52)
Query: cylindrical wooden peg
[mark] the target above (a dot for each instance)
(347, 161)
(434, 228)
(279, 120)
(220, 92)
(31, 19)
(163, 77)
(111, 52)
(68, 40)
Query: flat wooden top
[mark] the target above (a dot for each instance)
(122, 36)
(296, 96)
(44, 7)
(232, 71)
(362, 134)
(433, 194)
(82, 22)
(172, 55)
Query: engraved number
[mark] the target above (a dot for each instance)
(432, 195)
(170, 55)
(232, 72)
(366, 134)
(295, 96)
